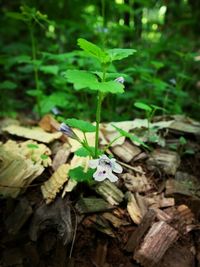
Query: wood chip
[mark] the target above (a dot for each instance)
(92, 204)
(110, 192)
(136, 182)
(126, 152)
(158, 239)
(166, 160)
(61, 156)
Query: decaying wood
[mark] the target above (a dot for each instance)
(184, 184)
(18, 217)
(126, 152)
(92, 204)
(56, 216)
(110, 192)
(116, 222)
(16, 173)
(138, 234)
(166, 160)
(185, 125)
(158, 239)
(99, 223)
(52, 186)
(136, 182)
(61, 156)
(136, 207)
(48, 123)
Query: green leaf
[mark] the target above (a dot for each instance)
(119, 53)
(84, 126)
(143, 106)
(93, 50)
(79, 175)
(50, 69)
(34, 92)
(32, 146)
(132, 137)
(83, 152)
(58, 99)
(108, 87)
(43, 156)
(80, 79)
(8, 85)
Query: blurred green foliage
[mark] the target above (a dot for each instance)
(39, 45)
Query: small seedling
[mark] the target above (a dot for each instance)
(150, 112)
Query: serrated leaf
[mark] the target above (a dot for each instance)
(83, 152)
(93, 50)
(83, 79)
(132, 137)
(119, 53)
(79, 175)
(80, 79)
(84, 126)
(109, 87)
(143, 106)
(50, 69)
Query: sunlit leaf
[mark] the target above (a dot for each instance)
(84, 126)
(80, 79)
(92, 49)
(143, 106)
(119, 53)
(83, 152)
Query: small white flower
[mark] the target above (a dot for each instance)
(120, 80)
(105, 167)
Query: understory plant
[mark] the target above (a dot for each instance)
(101, 83)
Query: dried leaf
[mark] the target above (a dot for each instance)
(35, 133)
(51, 187)
(71, 184)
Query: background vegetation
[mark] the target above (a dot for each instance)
(39, 44)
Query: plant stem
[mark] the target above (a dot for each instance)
(34, 57)
(98, 118)
(98, 112)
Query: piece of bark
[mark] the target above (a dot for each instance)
(12, 257)
(186, 125)
(178, 255)
(92, 204)
(184, 184)
(166, 160)
(18, 217)
(138, 234)
(136, 182)
(61, 156)
(99, 223)
(136, 207)
(57, 216)
(110, 192)
(116, 222)
(158, 239)
(160, 201)
(49, 124)
(126, 152)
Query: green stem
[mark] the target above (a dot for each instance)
(98, 118)
(34, 57)
(109, 144)
(98, 112)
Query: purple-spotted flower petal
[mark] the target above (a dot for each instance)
(120, 80)
(105, 167)
(64, 128)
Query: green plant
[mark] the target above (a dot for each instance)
(98, 82)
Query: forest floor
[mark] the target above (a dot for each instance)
(149, 217)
